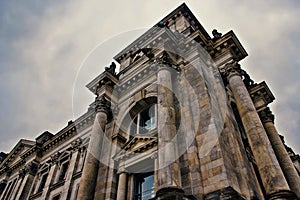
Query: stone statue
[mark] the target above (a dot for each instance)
(111, 69)
(216, 34)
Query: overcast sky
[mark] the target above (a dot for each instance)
(44, 45)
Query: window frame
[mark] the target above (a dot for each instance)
(136, 120)
(137, 185)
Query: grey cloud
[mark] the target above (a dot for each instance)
(45, 53)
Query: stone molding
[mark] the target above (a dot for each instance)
(225, 193)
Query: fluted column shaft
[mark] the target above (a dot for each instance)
(272, 177)
(91, 166)
(282, 155)
(169, 171)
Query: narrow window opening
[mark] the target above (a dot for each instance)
(63, 171)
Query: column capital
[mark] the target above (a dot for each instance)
(266, 115)
(166, 62)
(234, 69)
(154, 155)
(54, 158)
(102, 104)
(76, 145)
(30, 168)
(122, 169)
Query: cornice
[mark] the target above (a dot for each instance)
(261, 95)
(68, 132)
(228, 42)
(100, 80)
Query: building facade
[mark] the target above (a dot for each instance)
(180, 120)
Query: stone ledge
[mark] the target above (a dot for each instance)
(225, 193)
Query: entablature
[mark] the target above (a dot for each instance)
(106, 77)
(261, 95)
(227, 44)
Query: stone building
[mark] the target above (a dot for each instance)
(180, 120)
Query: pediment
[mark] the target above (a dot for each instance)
(14, 156)
(137, 144)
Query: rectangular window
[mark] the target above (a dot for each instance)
(144, 186)
(63, 171)
(42, 182)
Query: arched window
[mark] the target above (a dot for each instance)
(145, 121)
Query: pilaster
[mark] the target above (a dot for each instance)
(28, 173)
(51, 175)
(76, 145)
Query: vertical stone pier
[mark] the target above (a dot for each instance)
(91, 166)
(30, 171)
(282, 155)
(169, 178)
(272, 177)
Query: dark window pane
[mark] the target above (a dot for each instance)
(63, 171)
(43, 182)
(144, 186)
(147, 120)
(57, 197)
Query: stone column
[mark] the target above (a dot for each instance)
(75, 148)
(272, 177)
(282, 155)
(122, 184)
(169, 178)
(91, 165)
(28, 173)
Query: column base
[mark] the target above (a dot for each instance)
(225, 193)
(283, 194)
(169, 193)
